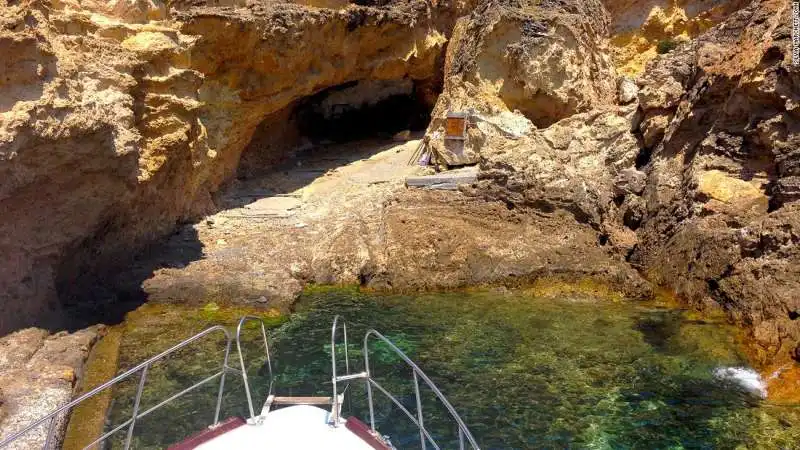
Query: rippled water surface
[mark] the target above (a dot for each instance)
(523, 372)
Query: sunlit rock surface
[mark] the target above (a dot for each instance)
(719, 126)
(123, 121)
(37, 375)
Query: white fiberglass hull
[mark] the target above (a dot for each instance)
(295, 427)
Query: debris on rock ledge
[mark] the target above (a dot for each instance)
(449, 180)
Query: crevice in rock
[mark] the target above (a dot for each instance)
(644, 155)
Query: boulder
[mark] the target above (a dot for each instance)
(38, 374)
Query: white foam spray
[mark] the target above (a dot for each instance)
(747, 378)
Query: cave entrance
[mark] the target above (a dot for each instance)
(363, 110)
(289, 149)
(350, 112)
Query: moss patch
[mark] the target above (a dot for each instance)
(87, 419)
(585, 288)
(666, 46)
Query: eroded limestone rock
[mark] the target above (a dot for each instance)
(546, 62)
(576, 165)
(37, 375)
(720, 127)
(115, 130)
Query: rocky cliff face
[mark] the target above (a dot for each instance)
(120, 120)
(719, 128)
(694, 183)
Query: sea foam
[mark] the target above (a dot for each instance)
(748, 379)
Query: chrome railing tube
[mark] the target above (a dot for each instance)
(405, 411)
(369, 384)
(334, 379)
(53, 415)
(50, 431)
(460, 423)
(136, 403)
(222, 383)
(419, 411)
(242, 321)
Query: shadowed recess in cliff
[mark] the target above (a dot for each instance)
(348, 112)
(105, 294)
(305, 140)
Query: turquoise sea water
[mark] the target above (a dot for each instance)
(523, 372)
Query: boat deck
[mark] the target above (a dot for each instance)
(295, 427)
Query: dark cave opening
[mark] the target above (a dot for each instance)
(321, 121)
(349, 112)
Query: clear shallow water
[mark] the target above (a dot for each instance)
(523, 373)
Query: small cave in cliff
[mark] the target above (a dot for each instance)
(362, 110)
(354, 111)
(367, 114)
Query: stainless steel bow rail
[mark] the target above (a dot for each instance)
(464, 436)
(242, 321)
(53, 417)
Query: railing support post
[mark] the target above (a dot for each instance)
(136, 406)
(222, 383)
(422, 442)
(463, 431)
(50, 431)
(334, 378)
(241, 359)
(368, 382)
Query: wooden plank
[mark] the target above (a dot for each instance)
(301, 401)
(444, 180)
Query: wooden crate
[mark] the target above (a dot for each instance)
(455, 126)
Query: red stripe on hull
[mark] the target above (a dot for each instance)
(208, 434)
(363, 431)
